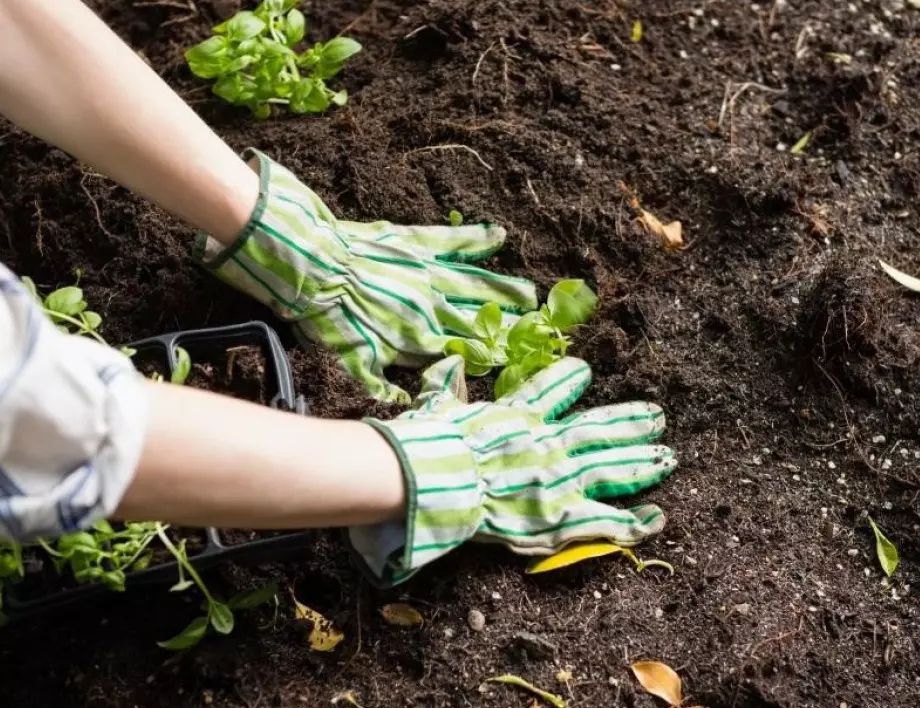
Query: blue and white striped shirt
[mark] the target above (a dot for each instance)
(73, 415)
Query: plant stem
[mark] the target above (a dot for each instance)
(184, 562)
(76, 323)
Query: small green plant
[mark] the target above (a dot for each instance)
(253, 61)
(455, 218)
(102, 554)
(534, 342)
(11, 569)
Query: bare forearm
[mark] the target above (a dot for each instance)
(209, 460)
(68, 79)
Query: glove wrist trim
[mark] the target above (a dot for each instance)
(204, 242)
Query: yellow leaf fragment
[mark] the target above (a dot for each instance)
(402, 615)
(346, 697)
(323, 636)
(659, 680)
(839, 57)
(908, 281)
(637, 31)
(801, 144)
(670, 234)
(564, 675)
(513, 680)
(573, 554)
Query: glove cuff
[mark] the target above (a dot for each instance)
(444, 501)
(288, 249)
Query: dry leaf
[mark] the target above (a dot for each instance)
(512, 680)
(346, 697)
(402, 615)
(670, 234)
(801, 144)
(564, 676)
(573, 554)
(659, 680)
(908, 281)
(637, 31)
(323, 636)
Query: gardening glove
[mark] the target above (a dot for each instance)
(377, 294)
(513, 472)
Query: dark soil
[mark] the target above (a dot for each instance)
(787, 362)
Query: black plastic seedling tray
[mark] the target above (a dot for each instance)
(216, 549)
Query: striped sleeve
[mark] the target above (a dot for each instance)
(73, 415)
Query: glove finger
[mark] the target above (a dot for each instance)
(446, 376)
(361, 352)
(621, 471)
(450, 243)
(468, 285)
(587, 521)
(623, 424)
(552, 390)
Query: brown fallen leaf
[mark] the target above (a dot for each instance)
(402, 615)
(323, 636)
(671, 234)
(659, 680)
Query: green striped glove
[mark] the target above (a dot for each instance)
(512, 472)
(377, 294)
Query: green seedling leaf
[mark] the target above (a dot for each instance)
(885, 550)
(188, 637)
(66, 301)
(30, 286)
(488, 323)
(455, 218)
(339, 98)
(91, 320)
(309, 96)
(244, 25)
(295, 26)
(183, 367)
(221, 617)
(509, 380)
(182, 586)
(128, 351)
(209, 59)
(340, 49)
(253, 598)
(571, 303)
(801, 144)
(512, 680)
(475, 354)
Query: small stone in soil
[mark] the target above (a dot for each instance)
(476, 620)
(533, 646)
(743, 609)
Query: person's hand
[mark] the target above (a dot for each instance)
(377, 294)
(513, 472)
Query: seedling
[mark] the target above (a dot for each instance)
(535, 341)
(455, 218)
(254, 64)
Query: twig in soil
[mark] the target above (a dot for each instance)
(360, 18)
(479, 63)
(533, 194)
(505, 82)
(453, 146)
(95, 206)
(38, 230)
(728, 103)
(800, 48)
(189, 7)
